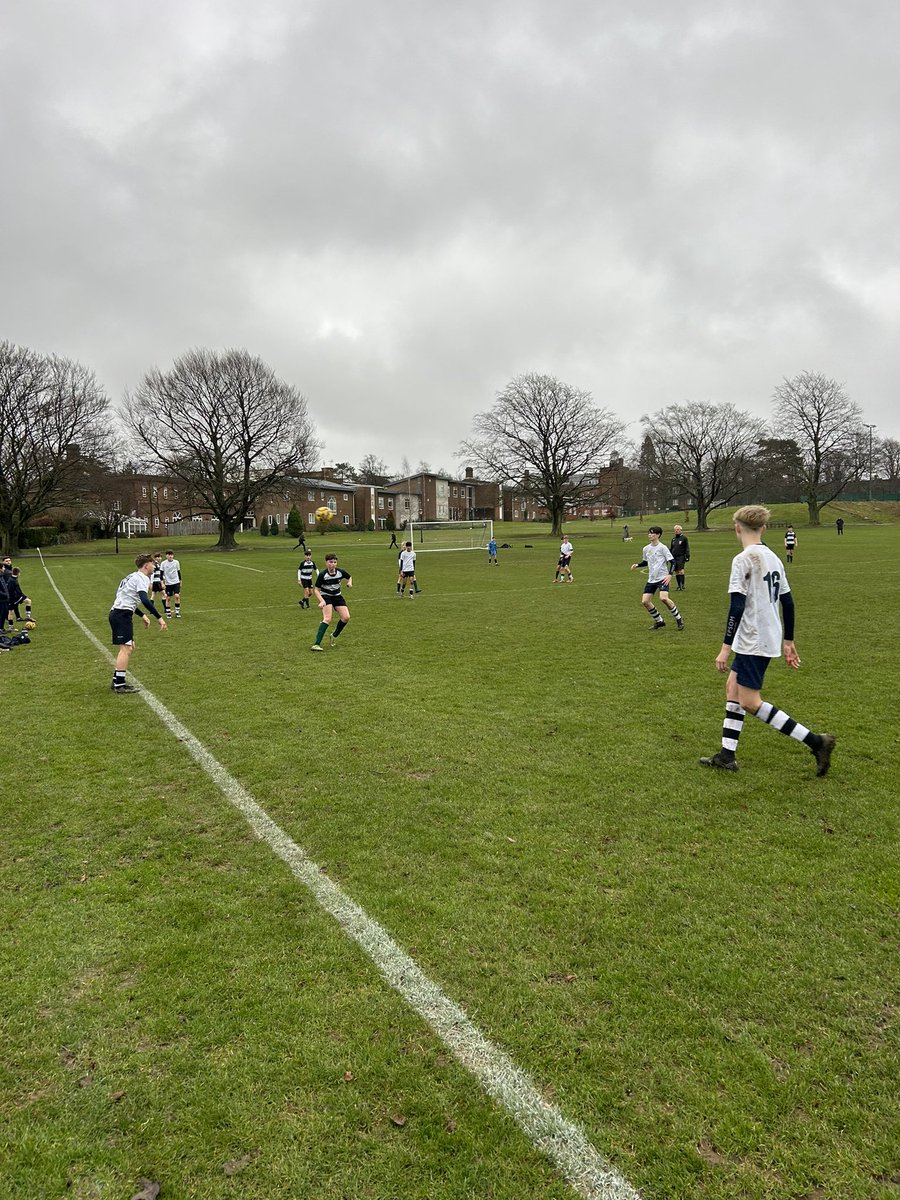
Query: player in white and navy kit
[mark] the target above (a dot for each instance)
(156, 579)
(657, 558)
(564, 566)
(406, 562)
(306, 574)
(171, 573)
(131, 594)
(790, 542)
(758, 585)
(328, 589)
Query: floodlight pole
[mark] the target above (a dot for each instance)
(870, 428)
(118, 517)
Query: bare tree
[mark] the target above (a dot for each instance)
(223, 423)
(53, 416)
(704, 451)
(547, 439)
(372, 470)
(101, 492)
(889, 458)
(824, 422)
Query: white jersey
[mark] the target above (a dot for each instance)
(128, 596)
(408, 561)
(657, 559)
(758, 574)
(566, 549)
(171, 571)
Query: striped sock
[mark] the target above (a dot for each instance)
(674, 611)
(731, 729)
(784, 724)
(654, 613)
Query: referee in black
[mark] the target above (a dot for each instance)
(681, 552)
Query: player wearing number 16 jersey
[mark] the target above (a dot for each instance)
(758, 586)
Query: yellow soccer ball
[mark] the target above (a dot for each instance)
(324, 514)
(30, 625)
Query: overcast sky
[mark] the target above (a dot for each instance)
(400, 206)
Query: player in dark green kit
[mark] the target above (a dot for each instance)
(328, 590)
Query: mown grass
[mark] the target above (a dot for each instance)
(698, 969)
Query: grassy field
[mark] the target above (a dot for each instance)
(698, 969)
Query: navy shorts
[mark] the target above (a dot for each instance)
(407, 574)
(650, 588)
(121, 622)
(678, 564)
(337, 601)
(173, 589)
(750, 669)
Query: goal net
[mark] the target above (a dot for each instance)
(448, 535)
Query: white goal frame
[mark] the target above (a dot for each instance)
(441, 536)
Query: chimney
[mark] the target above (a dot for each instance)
(470, 474)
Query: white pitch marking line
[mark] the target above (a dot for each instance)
(577, 1159)
(215, 562)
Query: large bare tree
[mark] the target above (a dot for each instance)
(223, 423)
(54, 416)
(821, 418)
(547, 439)
(888, 459)
(704, 451)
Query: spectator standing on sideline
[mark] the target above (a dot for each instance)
(790, 541)
(839, 525)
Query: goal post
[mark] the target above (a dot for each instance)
(449, 535)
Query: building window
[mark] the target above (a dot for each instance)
(332, 504)
(156, 521)
(346, 519)
(165, 493)
(310, 518)
(143, 493)
(454, 491)
(381, 501)
(310, 495)
(286, 515)
(346, 496)
(321, 495)
(390, 502)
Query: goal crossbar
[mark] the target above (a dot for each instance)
(434, 536)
